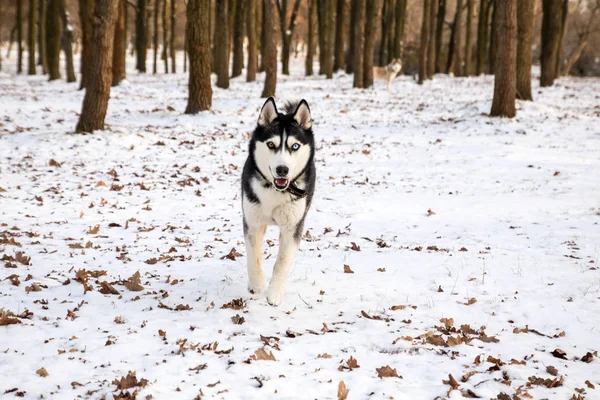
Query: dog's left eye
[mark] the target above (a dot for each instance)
(295, 146)
(271, 145)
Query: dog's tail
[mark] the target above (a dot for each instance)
(291, 106)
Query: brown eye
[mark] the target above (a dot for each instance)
(271, 145)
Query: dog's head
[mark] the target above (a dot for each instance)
(282, 144)
(396, 65)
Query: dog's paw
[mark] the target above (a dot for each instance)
(256, 285)
(275, 295)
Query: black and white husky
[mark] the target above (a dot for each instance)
(278, 183)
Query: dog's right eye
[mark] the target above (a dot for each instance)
(271, 145)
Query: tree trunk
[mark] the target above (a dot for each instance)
(53, 39)
(354, 8)
(425, 29)
(439, 34)
(31, 36)
(492, 48)
(119, 45)
(385, 38)
(583, 42)
(155, 37)
(238, 38)
(468, 70)
(372, 17)
(221, 45)
(252, 33)
(230, 23)
(172, 50)
(458, 62)
(41, 35)
(0, 33)
(86, 9)
(563, 28)
(67, 43)
(270, 51)
(551, 25)
(399, 28)
(165, 38)
(359, 42)
(19, 36)
(287, 33)
(141, 34)
(95, 102)
(263, 38)
(431, 46)
(326, 15)
(340, 36)
(503, 104)
(310, 53)
(185, 49)
(525, 24)
(198, 47)
(450, 60)
(482, 37)
(391, 30)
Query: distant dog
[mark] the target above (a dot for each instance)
(278, 183)
(389, 72)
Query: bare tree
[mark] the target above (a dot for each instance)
(584, 31)
(551, 27)
(53, 38)
(458, 67)
(468, 70)
(399, 28)
(165, 37)
(310, 53)
(31, 36)
(340, 36)
(270, 51)
(425, 29)
(492, 45)
(198, 47)
(431, 46)
(525, 24)
(503, 104)
(19, 36)
(67, 42)
(358, 30)
(95, 101)
(155, 36)
(238, 38)
(119, 45)
(372, 17)
(141, 34)
(252, 35)
(172, 49)
(482, 37)
(387, 17)
(354, 10)
(287, 31)
(326, 13)
(221, 46)
(41, 36)
(563, 28)
(439, 34)
(86, 9)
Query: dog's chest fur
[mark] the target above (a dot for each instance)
(273, 207)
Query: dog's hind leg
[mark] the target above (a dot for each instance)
(253, 237)
(288, 246)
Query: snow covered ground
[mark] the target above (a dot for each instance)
(474, 245)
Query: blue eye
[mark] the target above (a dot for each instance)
(295, 146)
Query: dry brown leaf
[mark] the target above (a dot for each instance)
(235, 304)
(232, 255)
(430, 212)
(324, 355)
(42, 372)
(387, 372)
(551, 370)
(129, 381)
(558, 353)
(354, 246)
(107, 288)
(342, 393)
(237, 319)
(133, 282)
(261, 354)
(347, 269)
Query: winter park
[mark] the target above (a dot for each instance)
(427, 173)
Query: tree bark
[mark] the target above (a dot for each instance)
(431, 46)
(41, 36)
(399, 28)
(141, 34)
(354, 8)
(372, 17)
(119, 45)
(439, 34)
(19, 36)
(425, 29)
(165, 36)
(563, 28)
(238, 38)
(31, 36)
(263, 38)
(270, 51)
(252, 34)
(310, 53)
(286, 33)
(482, 37)
(0, 34)
(86, 9)
(525, 24)
(155, 37)
(95, 102)
(583, 42)
(385, 38)
(458, 62)
(172, 50)
(221, 44)
(68, 43)
(340, 36)
(551, 25)
(326, 16)
(198, 47)
(359, 42)
(53, 39)
(503, 104)
(468, 70)
(492, 48)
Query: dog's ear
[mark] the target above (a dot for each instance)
(268, 112)
(302, 115)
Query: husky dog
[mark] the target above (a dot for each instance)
(278, 183)
(389, 72)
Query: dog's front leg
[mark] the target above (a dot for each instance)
(288, 245)
(254, 237)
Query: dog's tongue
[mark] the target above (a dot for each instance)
(281, 181)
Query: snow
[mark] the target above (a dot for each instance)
(520, 197)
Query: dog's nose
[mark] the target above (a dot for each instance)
(282, 170)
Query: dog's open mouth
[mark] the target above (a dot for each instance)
(281, 183)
